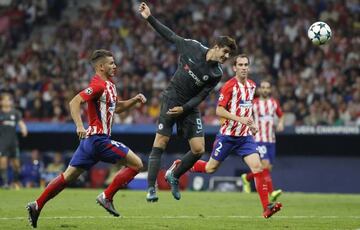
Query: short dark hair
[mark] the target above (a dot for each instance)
(98, 55)
(223, 41)
(241, 56)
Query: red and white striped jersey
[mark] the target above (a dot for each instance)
(101, 99)
(264, 115)
(237, 99)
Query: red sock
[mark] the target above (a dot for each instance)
(261, 188)
(249, 176)
(199, 166)
(268, 180)
(123, 177)
(52, 189)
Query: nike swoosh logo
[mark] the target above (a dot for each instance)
(198, 131)
(190, 60)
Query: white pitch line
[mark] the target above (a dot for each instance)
(181, 217)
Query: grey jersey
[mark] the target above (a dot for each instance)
(195, 77)
(8, 123)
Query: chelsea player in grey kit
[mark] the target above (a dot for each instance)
(199, 71)
(9, 146)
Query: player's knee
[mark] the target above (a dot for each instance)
(71, 174)
(69, 178)
(266, 166)
(136, 164)
(257, 167)
(161, 141)
(139, 165)
(198, 150)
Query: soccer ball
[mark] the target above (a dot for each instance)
(319, 33)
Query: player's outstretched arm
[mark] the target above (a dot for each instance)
(122, 106)
(76, 115)
(158, 26)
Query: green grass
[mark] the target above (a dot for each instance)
(76, 209)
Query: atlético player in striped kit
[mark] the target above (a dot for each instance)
(95, 143)
(266, 109)
(236, 133)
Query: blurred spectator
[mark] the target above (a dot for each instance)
(53, 169)
(154, 108)
(50, 66)
(32, 169)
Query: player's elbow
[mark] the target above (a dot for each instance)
(72, 103)
(139, 166)
(75, 102)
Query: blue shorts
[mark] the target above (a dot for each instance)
(224, 145)
(97, 148)
(267, 151)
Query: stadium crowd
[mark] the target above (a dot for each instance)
(315, 85)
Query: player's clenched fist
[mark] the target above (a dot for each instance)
(140, 98)
(246, 121)
(144, 10)
(254, 129)
(81, 132)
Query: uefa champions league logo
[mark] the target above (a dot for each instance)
(88, 91)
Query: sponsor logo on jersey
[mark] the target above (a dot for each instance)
(246, 104)
(9, 123)
(198, 82)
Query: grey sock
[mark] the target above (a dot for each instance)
(187, 161)
(154, 165)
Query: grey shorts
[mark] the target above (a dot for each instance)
(188, 125)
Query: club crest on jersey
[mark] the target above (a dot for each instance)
(252, 90)
(205, 77)
(89, 91)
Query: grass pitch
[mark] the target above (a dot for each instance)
(76, 209)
